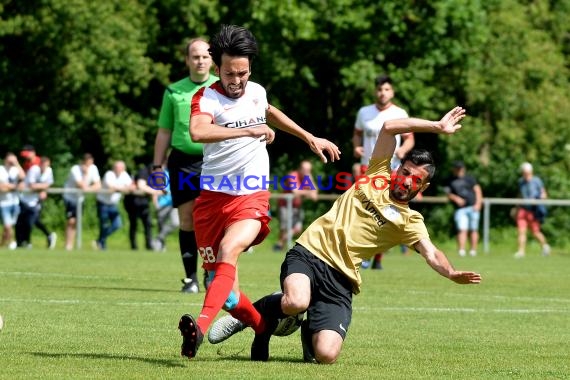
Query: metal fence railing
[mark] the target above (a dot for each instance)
(487, 204)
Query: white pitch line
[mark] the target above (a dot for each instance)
(88, 302)
(463, 310)
(49, 274)
(495, 296)
(363, 308)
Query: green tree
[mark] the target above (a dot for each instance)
(73, 73)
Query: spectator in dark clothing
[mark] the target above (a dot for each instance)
(138, 207)
(467, 197)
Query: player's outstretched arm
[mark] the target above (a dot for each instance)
(438, 262)
(279, 120)
(203, 130)
(386, 143)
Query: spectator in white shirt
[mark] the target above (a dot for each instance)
(11, 173)
(84, 177)
(116, 182)
(35, 183)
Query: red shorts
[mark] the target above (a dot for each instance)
(214, 212)
(525, 218)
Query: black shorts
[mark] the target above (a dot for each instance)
(184, 171)
(70, 209)
(331, 291)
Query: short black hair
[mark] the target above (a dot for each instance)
(381, 79)
(235, 41)
(421, 157)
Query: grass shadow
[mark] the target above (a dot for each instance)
(154, 361)
(120, 289)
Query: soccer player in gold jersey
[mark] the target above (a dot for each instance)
(322, 271)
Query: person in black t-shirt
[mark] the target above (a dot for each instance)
(467, 197)
(138, 207)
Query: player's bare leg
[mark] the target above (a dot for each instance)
(236, 239)
(326, 345)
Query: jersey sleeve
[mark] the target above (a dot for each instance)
(204, 103)
(414, 231)
(379, 166)
(166, 115)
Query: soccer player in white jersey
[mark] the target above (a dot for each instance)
(369, 122)
(230, 117)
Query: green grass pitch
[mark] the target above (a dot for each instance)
(114, 314)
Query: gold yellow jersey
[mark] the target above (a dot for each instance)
(362, 222)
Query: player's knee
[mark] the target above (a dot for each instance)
(295, 304)
(230, 249)
(326, 355)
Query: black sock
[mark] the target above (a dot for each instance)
(270, 306)
(189, 253)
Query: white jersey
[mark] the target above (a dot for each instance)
(110, 179)
(227, 163)
(75, 175)
(35, 175)
(370, 121)
(10, 175)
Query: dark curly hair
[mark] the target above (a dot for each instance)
(235, 41)
(421, 157)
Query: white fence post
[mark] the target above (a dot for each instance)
(78, 220)
(486, 224)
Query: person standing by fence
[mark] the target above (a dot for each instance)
(530, 216)
(84, 176)
(467, 197)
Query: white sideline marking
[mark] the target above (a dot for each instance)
(365, 308)
(495, 296)
(48, 274)
(87, 302)
(463, 310)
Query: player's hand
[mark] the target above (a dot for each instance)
(264, 131)
(449, 123)
(462, 277)
(358, 151)
(319, 145)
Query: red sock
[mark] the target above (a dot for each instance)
(245, 312)
(216, 295)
